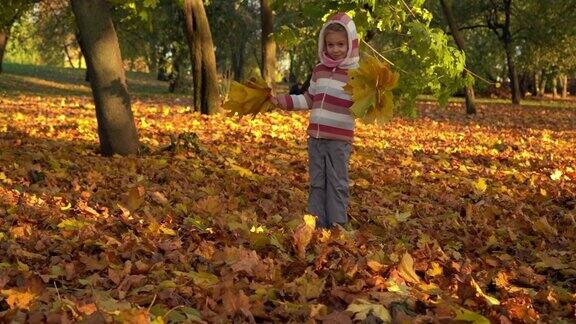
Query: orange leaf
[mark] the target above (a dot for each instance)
(19, 298)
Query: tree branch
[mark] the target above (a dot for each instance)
(474, 27)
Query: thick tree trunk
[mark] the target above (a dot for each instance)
(554, 87)
(193, 39)
(447, 9)
(268, 43)
(116, 128)
(200, 41)
(564, 86)
(4, 36)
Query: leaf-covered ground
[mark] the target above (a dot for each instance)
(452, 218)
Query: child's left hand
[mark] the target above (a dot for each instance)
(274, 100)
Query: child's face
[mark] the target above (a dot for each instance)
(336, 44)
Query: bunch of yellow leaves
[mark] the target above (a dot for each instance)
(371, 87)
(252, 97)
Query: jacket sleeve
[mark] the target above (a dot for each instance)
(299, 102)
(295, 102)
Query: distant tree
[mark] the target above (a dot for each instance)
(268, 42)
(459, 40)
(10, 12)
(202, 53)
(237, 39)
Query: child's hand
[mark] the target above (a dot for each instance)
(274, 100)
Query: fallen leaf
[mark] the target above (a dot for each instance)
(19, 298)
(361, 308)
(303, 235)
(406, 269)
(491, 300)
(159, 198)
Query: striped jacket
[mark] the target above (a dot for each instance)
(326, 99)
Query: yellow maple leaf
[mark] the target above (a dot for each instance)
(251, 97)
(434, 270)
(556, 175)
(480, 186)
(371, 87)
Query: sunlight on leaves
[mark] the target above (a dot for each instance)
(361, 308)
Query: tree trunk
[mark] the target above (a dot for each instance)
(543, 79)
(515, 88)
(68, 56)
(4, 36)
(554, 87)
(524, 84)
(507, 39)
(116, 128)
(536, 84)
(238, 61)
(447, 9)
(83, 51)
(177, 76)
(193, 39)
(564, 86)
(268, 43)
(203, 57)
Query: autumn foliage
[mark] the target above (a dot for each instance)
(371, 86)
(249, 98)
(452, 218)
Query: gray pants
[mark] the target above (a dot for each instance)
(328, 169)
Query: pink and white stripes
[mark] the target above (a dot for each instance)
(330, 116)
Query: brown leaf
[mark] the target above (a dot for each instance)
(134, 197)
(303, 235)
(249, 262)
(159, 198)
(93, 263)
(205, 250)
(336, 318)
(235, 302)
(115, 275)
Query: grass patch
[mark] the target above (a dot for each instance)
(50, 80)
